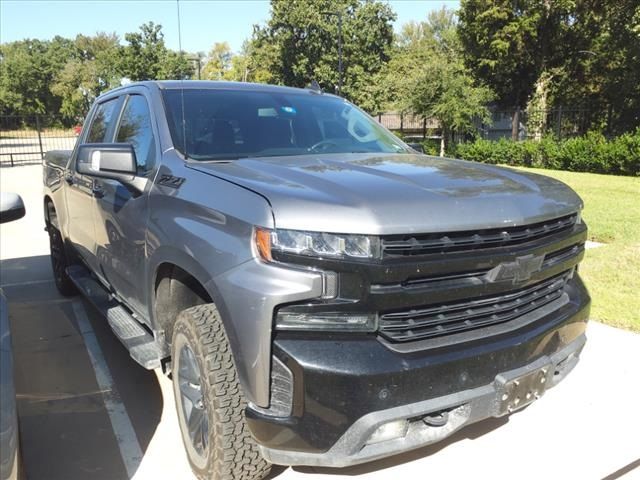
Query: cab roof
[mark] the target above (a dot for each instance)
(217, 85)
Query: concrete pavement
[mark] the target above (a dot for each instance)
(588, 427)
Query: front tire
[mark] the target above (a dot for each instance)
(209, 400)
(59, 260)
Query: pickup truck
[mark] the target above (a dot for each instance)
(320, 293)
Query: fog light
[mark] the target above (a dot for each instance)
(389, 431)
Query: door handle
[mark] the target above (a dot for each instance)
(97, 190)
(69, 178)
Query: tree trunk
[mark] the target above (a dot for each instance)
(443, 142)
(515, 124)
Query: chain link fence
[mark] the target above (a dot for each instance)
(24, 139)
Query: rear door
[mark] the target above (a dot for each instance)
(80, 191)
(122, 213)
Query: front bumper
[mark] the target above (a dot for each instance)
(345, 387)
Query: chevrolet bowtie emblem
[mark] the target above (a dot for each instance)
(519, 270)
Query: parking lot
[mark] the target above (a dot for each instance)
(88, 411)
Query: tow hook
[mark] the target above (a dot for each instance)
(437, 419)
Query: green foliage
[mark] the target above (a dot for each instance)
(63, 75)
(299, 44)
(602, 64)
(219, 62)
(147, 58)
(510, 44)
(591, 153)
(83, 78)
(572, 53)
(426, 76)
(27, 68)
(431, 147)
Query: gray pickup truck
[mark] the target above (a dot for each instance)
(320, 293)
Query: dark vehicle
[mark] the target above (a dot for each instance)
(321, 293)
(11, 208)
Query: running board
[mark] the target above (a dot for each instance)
(141, 345)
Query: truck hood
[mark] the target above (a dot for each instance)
(395, 193)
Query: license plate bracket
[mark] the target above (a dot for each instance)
(518, 389)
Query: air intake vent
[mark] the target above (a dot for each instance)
(446, 319)
(398, 245)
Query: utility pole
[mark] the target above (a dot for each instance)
(339, 15)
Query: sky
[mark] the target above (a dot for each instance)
(204, 22)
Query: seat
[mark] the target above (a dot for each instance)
(222, 140)
(274, 133)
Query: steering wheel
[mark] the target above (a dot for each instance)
(322, 145)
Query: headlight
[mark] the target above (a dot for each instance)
(314, 244)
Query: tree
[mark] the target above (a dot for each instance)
(27, 68)
(602, 65)
(510, 44)
(147, 58)
(65, 76)
(93, 72)
(218, 62)
(299, 44)
(77, 86)
(428, 78)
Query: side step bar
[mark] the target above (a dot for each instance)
(141, 345)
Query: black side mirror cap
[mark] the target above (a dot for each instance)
(11, 207)
(417, 147)
(116, 161)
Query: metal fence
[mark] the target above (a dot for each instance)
(532, 124)
(24, 139)
(409, 124)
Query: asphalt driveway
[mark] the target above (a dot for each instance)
(88, 411)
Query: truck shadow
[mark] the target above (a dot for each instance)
(66, 429)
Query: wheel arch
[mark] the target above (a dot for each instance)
(173, 273)
(49, 208)
(166, 307)
(175, 289)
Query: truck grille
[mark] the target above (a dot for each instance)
(399, 245)
(445, 319)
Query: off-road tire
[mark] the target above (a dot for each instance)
(232, 454)
(59, 259)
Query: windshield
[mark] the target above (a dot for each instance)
(230, 124)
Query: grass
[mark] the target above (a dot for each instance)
(611, 272)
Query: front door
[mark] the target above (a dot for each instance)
(122, 213)
(80, 191)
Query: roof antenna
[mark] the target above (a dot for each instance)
(314, 86)
(184, 123)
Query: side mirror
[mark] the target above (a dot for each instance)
(116, 161)
(11, 207)
(417, 147)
